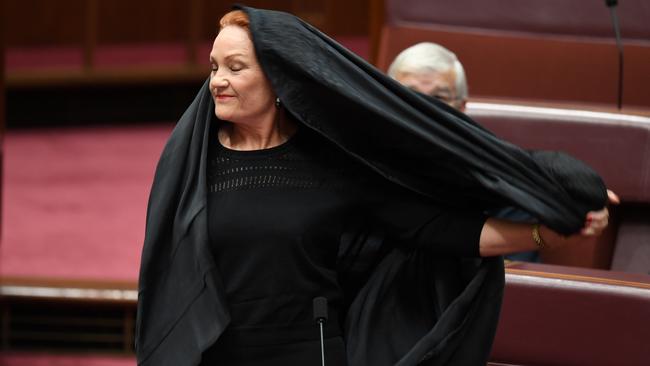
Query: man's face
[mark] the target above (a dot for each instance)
(440, 85)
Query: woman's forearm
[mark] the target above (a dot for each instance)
(502, 237)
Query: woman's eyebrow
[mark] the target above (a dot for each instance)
(212, 59)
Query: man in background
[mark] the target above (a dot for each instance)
(433, 70)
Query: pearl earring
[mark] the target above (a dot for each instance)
(277, 102)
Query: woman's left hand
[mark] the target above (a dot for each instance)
(597, 221)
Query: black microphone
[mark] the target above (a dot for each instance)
(611, 4)
(320, 316)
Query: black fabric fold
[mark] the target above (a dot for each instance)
(405, 306)
(411, 140)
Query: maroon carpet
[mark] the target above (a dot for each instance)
(75, 201)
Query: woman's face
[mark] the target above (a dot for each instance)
(241, 91)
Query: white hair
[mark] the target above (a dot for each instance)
(427, 57)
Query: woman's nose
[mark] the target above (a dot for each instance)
(218, 81)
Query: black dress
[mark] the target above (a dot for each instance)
(276, 219)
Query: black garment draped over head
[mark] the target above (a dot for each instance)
(409, 306)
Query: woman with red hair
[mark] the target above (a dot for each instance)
(299, 171)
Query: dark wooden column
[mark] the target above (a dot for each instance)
(2, 106)
(194, 32)
(377, 17)
(90, 38)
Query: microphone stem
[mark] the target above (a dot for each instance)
(322, 344)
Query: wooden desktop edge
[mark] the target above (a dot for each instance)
(126, 291)
(58, 289)
(574, 277)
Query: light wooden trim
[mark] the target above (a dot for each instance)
(578, 278)
(555, 111)
(69, 290)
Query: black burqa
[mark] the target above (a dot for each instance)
(409, 307)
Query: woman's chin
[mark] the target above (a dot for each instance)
(221, 115)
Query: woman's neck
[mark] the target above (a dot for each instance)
(246, 137)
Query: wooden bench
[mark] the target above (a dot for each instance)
(616, 145)
(557, 53)
(551, 315)
(555, 315)
(540, 50)
(40, 314)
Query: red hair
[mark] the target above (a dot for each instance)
(235, 17)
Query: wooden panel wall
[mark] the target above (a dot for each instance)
(46, 22)
(37, 22)
(142, 21)
(213, 10)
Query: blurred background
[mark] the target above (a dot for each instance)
(92, 88)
